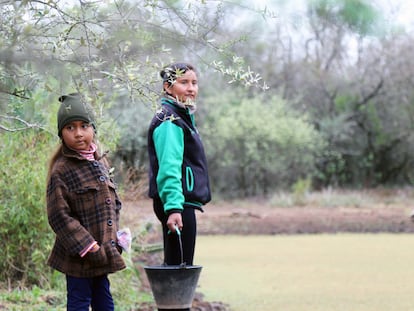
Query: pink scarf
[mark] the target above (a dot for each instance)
(88, 154)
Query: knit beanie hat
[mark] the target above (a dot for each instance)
(74, 108)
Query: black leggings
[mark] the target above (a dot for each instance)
(172, 252)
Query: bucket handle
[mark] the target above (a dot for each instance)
(183, 264)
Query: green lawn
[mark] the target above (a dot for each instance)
(344, 272)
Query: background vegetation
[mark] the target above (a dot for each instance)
(321, 99)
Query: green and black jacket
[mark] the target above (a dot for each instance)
(178, 168)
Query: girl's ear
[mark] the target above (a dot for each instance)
(166, 86)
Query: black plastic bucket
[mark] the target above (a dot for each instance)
(173, 287)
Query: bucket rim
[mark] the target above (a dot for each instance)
(172, 267)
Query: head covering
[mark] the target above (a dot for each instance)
(171, 72)
(74, 108)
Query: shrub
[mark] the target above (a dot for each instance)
(259, 144)
(25, 237)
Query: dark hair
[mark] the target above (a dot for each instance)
(171, 72)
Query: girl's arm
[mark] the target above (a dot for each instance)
(169, 146)
(73, 236)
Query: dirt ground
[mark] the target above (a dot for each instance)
(261, 217)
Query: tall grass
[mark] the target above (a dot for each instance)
(308, 272)
(330, 197)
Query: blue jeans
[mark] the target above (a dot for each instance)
(85, 292)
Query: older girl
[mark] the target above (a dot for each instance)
(179, 182)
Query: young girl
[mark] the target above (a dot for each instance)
(179, 182)
(83, 210)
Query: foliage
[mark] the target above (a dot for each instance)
(258, 143)
(25, 146)
(36, 299)
(103, 48)
(24, 232)
(113, 51)
(357, 15)
(130, 157)
(300, 189)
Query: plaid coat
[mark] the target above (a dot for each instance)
(83, 207)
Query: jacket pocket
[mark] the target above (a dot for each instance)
(98, 258)
(86, 189)
(189, 179)
(83, 198)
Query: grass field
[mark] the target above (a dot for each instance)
(344, 272)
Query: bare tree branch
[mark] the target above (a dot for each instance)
(26, 125)
(16, 92)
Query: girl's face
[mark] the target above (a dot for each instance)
(78, 135)
(185, 87)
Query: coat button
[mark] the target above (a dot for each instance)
(108, 201)
(110, 222)
(95, 163)
(102, 178)
(113, 243)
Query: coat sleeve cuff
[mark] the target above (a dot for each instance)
(87, 249)
(172, 211)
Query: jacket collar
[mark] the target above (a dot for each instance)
(70, 153)
(188, 107)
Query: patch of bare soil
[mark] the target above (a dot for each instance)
(256, 217)
(261, 218)
(299, 220)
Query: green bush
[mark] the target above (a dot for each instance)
(259, 144)
(25, 236)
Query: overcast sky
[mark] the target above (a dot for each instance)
(395, 11)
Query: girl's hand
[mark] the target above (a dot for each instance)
(175, 220)
(95, 248)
